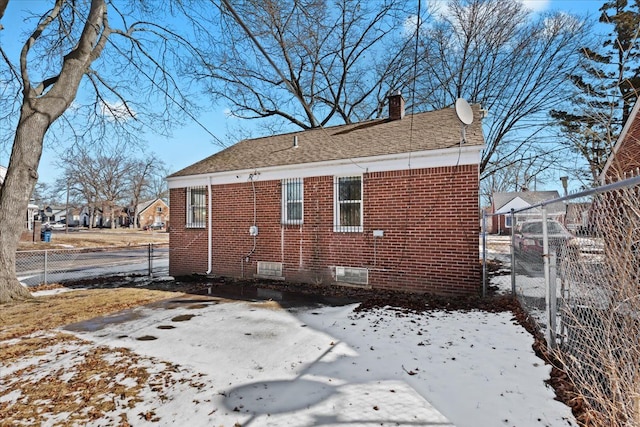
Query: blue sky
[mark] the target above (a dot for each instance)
(191, 143)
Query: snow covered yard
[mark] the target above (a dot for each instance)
(213, 362)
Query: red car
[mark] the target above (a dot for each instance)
(528, 237)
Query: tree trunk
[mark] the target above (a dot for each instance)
(41, 106)
(112, 216)
(14, 197)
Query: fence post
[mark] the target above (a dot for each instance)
(546, 258)
(150, 252)
(553, 302)
(484, 253)
(513, 254)
(45, 267)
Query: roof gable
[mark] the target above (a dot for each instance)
(419, 132)
(515, 204)
(143, 206)
(530, 197)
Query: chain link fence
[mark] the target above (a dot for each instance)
(42, 267)
(577, 274)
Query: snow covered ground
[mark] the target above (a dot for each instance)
(257, 364)
(218, 362)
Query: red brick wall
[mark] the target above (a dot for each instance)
(150, 214)
(626, 162)
(429, 218)
(187, 246)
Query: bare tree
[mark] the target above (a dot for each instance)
(114, 171)
(108, 178)
(3, 7)
(497, 54)
(313, 63)
(157, 187)
(606, 86)
(81, 175)
(305, 62)
(142, 182)
(72, 46)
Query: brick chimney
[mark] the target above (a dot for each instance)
(396, 106)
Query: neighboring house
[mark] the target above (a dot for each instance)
(389, 203)
(32, 216)
(624, 161)
(53, 214)
(88, 213)
(150, 212)
(622, 205)
(502, 203)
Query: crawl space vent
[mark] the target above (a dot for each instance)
(357, 276)
(269, 269)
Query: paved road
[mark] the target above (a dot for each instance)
(63, 265)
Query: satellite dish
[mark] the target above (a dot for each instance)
(464, 111)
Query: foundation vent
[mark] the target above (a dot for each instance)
(270, 270)
(353, 275)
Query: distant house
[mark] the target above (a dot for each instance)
(390, 203)
(53, 214)
(503, 202)
(624, 161)
(149, 212)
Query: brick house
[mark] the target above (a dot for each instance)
(153, 212)
(388, 203)
(624, 161)
(149, 212)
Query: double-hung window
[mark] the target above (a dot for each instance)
(348, 204)
(196, 207)
(292, 201)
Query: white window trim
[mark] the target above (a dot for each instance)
(190, 222)
(285, 204)
(337, 227)
(507, 221)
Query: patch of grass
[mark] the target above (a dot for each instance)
(93, 382)
(42, 313)
(98, 239)
(54, 378)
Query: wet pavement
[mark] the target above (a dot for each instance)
(286, 299)
(213, 295)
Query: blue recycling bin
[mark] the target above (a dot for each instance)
(45, 235)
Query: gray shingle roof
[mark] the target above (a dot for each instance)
(531, 197)
(419, 132)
